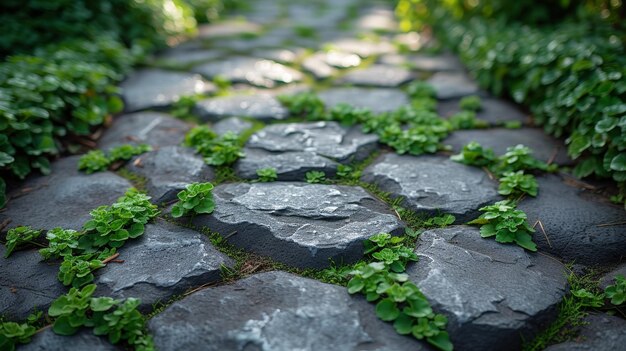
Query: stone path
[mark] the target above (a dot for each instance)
(492, 294)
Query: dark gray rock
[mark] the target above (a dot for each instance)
(434, 184)
(233, 124)
(26, 284)
(377, 100)
(47, 340)
(378, 75)
(495, 111)
(155, 88)
(452, 85)
(164, 262)
(491, 293)
(63, 198)
(602, 333)
(275, 311)
(575, 223)
(153, 128)
(302, 225)
(429, 63)
(254, 71)
(169, 169)
(363, 48)
(263, 107)
(609, 278)
(544, 147)
(290, 165)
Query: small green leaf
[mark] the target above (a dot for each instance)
(387, 310)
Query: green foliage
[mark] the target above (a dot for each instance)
(267, 174)
(97, 160)
(471, 103)
(397, 300)
(126, 152)
(588, 298)
(507, 224)
(314, 177)
(517, 183)
(519, 158)
(183, 107)
(307, 105)
(467, 120)
(348, 172)
(78, 270)
(196, 198)
(419, 89)
(440, 221)
(305, 31)
(19, 236)
(12, 333)
(617, 292)
(217, 151)
(475, 155)
(61, 243)
(348, 115)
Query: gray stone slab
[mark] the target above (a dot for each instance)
(603, 332)
(253, 71)
(279, 55)
(544, 147)
(262, 106)
(491, 293)
(434, 185)
(156, 88)
(302, 225)
(324, 64)
(275, 311)
(450, 85)
(153, 128)
(227, 28)
(290, 165)
(169, 169)
(573, 221)
(47, 340)
(495, 111)
(233, 124)
(164, 262)
(183, 56)
(363, 48)
(26, 284)
(376, 99)
(378, 75)
(377, 18)
(430, 63)
(63, 198)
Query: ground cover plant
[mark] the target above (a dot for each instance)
(196, 198)
(98, 161)
(217, 150)
(508, 225)
(19, 236)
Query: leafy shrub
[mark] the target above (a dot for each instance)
(93, 161)
(617, 292)
(78, 270)
(471, 103)
(267, 174)
(61, 242)
(126, 152)
(348, 172)
(196, 198)
(12, 333)
(517, 183)
(507, 224)
(421, 89)
(307, 105)
(475, 155)
(348, 115)
(519, 158)
(467, 120)
(217, 151)
(588, 299)
(19, 236)
(314, 177)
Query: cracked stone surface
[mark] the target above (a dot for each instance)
(153, 128)
(296, 148)
(490, 292)
(300, 224)
(156, 88)
(275, 311)
(257, 72)
(603, 332)
(84, 339)
(63, 198)
(544, 147)
(233, 124)
(433, 184)
(494, 111)
(165, 261)
(376, 99)
(450, 85)
(27, 283)
(573, 220)
(169, 169)
(262, 106)
(378, 75)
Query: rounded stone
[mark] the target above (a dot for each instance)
(262, 106)
(378, 76)
(450, 85)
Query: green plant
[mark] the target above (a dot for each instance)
(19, 236)
(588, 299)
(199, 135)
(420, 89)
(307, 105)
(517, 183)
(440, 221)
(12, 333)
(196, 198)
(78, 270)
(315, 177)
(126, 152)
(61, 242)
(183, 107)
(93, 161)
(467, 120)
(617, 292)
(217, 151)
(519, 158)
(475, 155)
(348, 172)
(348, 115)
(305, 31)
(267, 174)
(507, 224)
(471, 103)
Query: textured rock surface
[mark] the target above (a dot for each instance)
(377, 100)
(452, 85)
(64, 198)
(437, 63)
(150, 88)
(495, 111)
(275, 311)
(323, 64)
(47, 340)
(26, 283)
(233, 124)
(378, 75)
(261, 106)
(363, 48)
(258, 72)
(162, 263)
(433, 184)
(153, 128)
(573, 221)
(491, 293)
(609, 278)
(544, 147)
(300, 224)
(169, 169)
(290, 165)
(604, 332)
